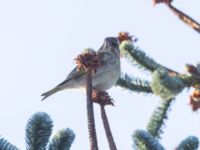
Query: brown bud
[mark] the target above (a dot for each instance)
(191, 69)
(102, 98)
(195, 100)
(88, 60)
(124, 36)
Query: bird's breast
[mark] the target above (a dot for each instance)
(107, 76)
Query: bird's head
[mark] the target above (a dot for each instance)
(110, 44)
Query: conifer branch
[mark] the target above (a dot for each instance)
(5, 145)
(158, 117)
(166, 84)
(190, 143)
(145, 141)
(38, 131)
(134, 84)
(190, 80)
(139, 57)
(62, 140)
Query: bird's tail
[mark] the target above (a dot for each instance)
(49, 93)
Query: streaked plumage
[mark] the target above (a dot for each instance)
(105, 77)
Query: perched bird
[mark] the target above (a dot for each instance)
(106, 76)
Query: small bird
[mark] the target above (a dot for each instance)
(106, 76)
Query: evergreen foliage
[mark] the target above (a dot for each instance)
(134, 84)
(139, 57)
(62, 140)
(158, 117)
(145, 141)
(165, 85)
(38, 131)
(5, 145)
(190, 143)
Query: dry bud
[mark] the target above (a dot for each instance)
(195, 100)
(102, 98)
(124, 36)
(88, 60)
(191, 69)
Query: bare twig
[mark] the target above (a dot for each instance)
(107, 129)
(182, 16)
(162, 1)
(90, 112)
(185, 18)
(89, 62)
(103, 99)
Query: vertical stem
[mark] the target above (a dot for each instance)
(107, 129)
(90, 112)
(185, 18)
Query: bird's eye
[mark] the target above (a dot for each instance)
(114, 43)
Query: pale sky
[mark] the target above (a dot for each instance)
(39, 40)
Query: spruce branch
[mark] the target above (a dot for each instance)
(158, 117)
(145, 141)
(185, 18)
(190, 143)
(134, 84)
(137, 56)
(5, 145)
(166, 84)
(62, 140)
(190, 80)
(187, 79)
(38, 131)
(103, 99)
(89, 62)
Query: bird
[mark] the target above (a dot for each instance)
(106, 75)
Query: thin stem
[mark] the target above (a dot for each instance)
(107, 129)
(185, 18)
(90, 113)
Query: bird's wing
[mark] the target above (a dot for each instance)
(74, 74)
(105, 58)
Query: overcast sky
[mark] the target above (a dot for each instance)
(39, 40)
